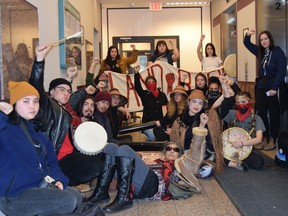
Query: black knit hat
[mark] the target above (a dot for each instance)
(54, 83)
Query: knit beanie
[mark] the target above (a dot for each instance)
(19, 90)
(103, 95)
(197, 94)
(54, 83)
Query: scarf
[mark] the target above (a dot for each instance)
(152, 88)
(167, 170)
(243, 111)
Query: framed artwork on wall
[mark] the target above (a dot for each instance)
(70, 28)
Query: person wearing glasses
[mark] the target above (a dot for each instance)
(58, 113)
(138, 180)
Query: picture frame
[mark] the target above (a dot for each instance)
(69, 24)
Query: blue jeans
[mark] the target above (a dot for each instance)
(141, 169)
(41, 202)
(150, 135)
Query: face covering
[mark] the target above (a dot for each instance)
(152, 88)
(213, 95)
(243, 111)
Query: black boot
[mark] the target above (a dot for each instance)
(100, 193)
(125, 170)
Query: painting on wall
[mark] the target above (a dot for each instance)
(19, 28)
(71, 29)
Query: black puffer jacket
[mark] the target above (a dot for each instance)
(59, 120)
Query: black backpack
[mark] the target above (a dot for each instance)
(281, 157)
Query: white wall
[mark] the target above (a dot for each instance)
(185, 22)
(246, 61)
(48, 32)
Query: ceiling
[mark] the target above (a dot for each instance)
(20, 4)
(145, 3)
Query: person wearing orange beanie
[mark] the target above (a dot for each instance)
(26, 178)
(19, 90)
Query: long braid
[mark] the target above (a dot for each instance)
(215, 127)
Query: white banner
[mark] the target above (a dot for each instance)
(167, 76)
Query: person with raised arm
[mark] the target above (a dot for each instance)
(210, 60)
(162, 53)
(272, 72)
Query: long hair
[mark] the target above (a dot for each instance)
(108, 58)
(161, 42)
(204, 77)
(213, 48)
(40, 122)
(80, 104)
(172, 106)
(78, 57)
(262, 49)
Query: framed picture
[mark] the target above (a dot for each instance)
(71, 29)
(245, 30)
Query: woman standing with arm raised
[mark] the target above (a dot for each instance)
(272, 71)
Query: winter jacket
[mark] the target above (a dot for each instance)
(21, 167)
(274, 67)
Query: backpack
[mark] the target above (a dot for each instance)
(281, 157)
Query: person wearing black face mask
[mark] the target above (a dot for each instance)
(245, 118)
(214, 90)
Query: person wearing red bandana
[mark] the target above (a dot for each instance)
(245, 118)
(153, 101)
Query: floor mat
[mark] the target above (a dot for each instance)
(257, 192)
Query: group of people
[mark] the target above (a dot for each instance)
(37, 129)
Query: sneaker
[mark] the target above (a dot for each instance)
(270, 146)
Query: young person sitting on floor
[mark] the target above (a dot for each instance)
(245, 118)
(27, 158)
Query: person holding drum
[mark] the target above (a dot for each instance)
(31, 181)
(57, 112)
(245, 118)
(137, 180)
(153, 101)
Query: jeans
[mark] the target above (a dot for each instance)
(41, 202)
(141, 169)
(150, 134)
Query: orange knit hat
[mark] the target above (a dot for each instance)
(19, 90)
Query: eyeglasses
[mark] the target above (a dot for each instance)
(63, 90)
(176, 149)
